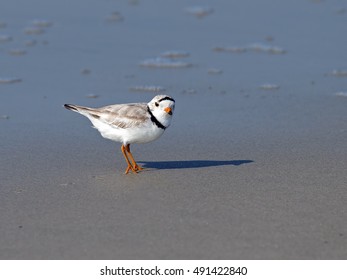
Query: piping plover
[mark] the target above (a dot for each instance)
(130, 123)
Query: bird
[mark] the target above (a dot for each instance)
(130, 123)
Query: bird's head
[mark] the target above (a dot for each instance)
(162, 108)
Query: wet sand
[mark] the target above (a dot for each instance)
(252, 167)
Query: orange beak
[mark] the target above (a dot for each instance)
(168, 110)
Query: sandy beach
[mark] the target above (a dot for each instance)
(253, 165)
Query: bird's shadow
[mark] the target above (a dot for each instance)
(183, 164)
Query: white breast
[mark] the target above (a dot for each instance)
(144, 134)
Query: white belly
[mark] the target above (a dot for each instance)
(143, 134)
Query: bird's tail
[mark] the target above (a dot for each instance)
(71, 107)
(79, 109)
(85, 111)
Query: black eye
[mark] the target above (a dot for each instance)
(156, 104)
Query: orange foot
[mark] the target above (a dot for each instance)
(133, 166)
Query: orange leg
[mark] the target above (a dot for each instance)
(130, 167)
(134, 164)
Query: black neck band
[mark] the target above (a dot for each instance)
(154, 119)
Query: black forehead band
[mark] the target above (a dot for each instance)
(166, 98)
